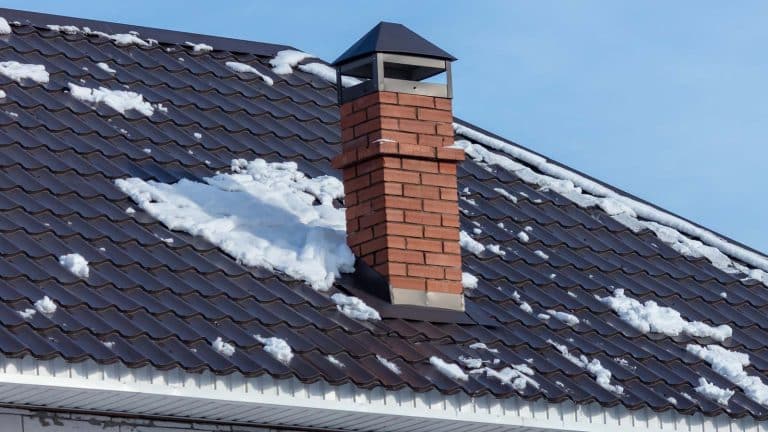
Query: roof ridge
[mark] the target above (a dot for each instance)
(41, 20)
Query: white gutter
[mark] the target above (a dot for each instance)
(288, 402)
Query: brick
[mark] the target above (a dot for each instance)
(367, 127)
(431, 272)
(417, 126)
(397, 111)
(359, 210)
(353, 225)
(441, 233)
(388, 97)
(452, 247)
(424, 245)
(444, 129)
(419, 191)
(408, 283)
(403, 229)
(372, 246)
(439, 206)
(346, 109)
(372, 219)
(364, 102)
(429, 140)
(395, 175)
(448, 194)
(443, 103)
(357, 183)
(404, 203)
(395, 135)
(441, 259)
(439, 180)
(392, 269)
(353, 119)
(423, 218)
(451, 287)
(350, 198)
(402, 256)
(347, 134)
(422, 166)
(448, 168)
(359, 237)
(391, 188)
(453, 274)
(450, 220)
(416, 100)
(434, 115)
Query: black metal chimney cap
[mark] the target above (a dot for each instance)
(396, 39)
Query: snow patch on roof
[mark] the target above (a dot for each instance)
(334, 361)
(122, 39)
(119, 100)
(482, 346)
(223, 348)
(105, 67)
(45, 306)
(285, 60)
(632, 213)
(650, 317)
(517, 376)
(601, 374)
(68, 29)
(5, 29)
(2, 94)
(474, 246)
(451, 370)
(388, 364)
(568, 319)
(75, 263)
(263, 214)
(244, 68)
(505, 194)
(354, 308)
(541, 254)
(24, 71)
(468, 280)
(27, 313)
(328, 73)
(523, 236)
(471, 362)
(730, 365)
(199, 47)
(711, 391)
(277, 348)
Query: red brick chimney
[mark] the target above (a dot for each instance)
(399, 167)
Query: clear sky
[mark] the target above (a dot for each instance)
(666, 100)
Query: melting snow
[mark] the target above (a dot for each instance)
(713, 392)
(334, 361)
(450, 370)
(468, 280)
(244, 68)
(105, 67)
(523, 237)
(543, 316)
(5, 29)
(68, 29)
(731, 364)
(601, 374)
(2, 94)
(388, 364)
(541, 254)
(45, 306)
(263, 214)
(328, 73)
(108, 344)
(471, 362)
(197, 135)
(75, 263)
(199, 47)
(518, 376)
(284, 62)
(354, 308)
(277, 348)
(565, 317)
(27, 313)
(650, 317)
(119, 100)
(482, 346)
(24, 71)
(130, 38)
(223, 348)
(506, 194)
(636, 215)
(474, 246)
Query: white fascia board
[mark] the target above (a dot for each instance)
(148, 391)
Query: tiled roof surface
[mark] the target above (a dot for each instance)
(157, 300)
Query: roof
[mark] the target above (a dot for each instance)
(395, 39)
(163, 303)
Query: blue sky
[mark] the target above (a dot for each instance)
(666, 100)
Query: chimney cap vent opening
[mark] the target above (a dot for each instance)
(393, 58)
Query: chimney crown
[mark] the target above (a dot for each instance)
(393, 58)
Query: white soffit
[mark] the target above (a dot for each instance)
(288, 402)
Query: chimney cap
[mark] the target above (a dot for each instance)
(393, 38)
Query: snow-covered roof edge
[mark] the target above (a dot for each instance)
(642, 209)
